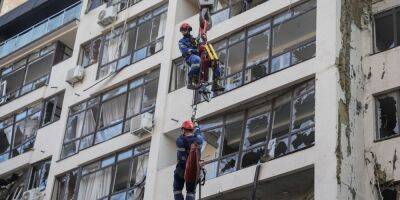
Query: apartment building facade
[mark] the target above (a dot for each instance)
(310, 111)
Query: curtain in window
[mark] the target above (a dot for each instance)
(141, 169)
(113, 110)
(96, 185)
(75, 126)
(32, 125)
(134, 102)
(110, 52)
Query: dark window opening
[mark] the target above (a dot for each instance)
(89, 53)
(52, 109)
(387, 30)
(388, 115)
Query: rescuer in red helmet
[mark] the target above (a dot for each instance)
(190, 134)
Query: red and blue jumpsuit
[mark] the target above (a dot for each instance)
(183, 144)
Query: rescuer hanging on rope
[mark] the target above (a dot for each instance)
(189, 142)
(188, 46)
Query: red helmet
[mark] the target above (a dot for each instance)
(188, 125)
(185, 27)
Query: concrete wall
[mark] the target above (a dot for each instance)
(344, 106)
(7, 5)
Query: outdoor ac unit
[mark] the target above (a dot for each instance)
(33, 194)
(141, 124)
(108, 15)
(75, 75)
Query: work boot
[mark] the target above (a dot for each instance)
(217, 87)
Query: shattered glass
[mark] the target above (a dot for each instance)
(212, 144)
(228, 165)
(252, 156)
(256, 126)
(388, 123)
(302, 139)
(303, 111)
(281, 116)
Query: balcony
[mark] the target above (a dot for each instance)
(40, 29)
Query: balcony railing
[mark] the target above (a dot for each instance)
(40, 29)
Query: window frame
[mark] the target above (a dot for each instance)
(271, 100)
(378, 137)
(99, 103)
(267, 61)
(394, 12)
(124, 30)
(80, 168)
(91, 42)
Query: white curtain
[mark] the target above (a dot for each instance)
(161, 30)
(96, 185)
(110, 50)
(90, 122)
(141, 169)
(134, 101)
(113, 110)
(32, 125)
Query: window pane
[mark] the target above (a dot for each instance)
(303, 53)
(94, 56)
(280, 148)
(91, 119)
(212, 144)
(258, 48)
(84, 56)
(95, 185)
(74, 127)
(158, 26)
(15, 80)
(139, 170)
(233, 133)
(143, 34)
(19, 133)
(220, 16)
(69, 149)
(211, 169)
(384, 31)
(388, 123)
(32, 125)
(228, 165)
(114, 92)
(280, 62)
(5, 139)
(150, 94)
(256, 130)
(121, 177)
(108, 133)
(233, 82)
(235, 58)
(134, 101)
(281, 117)
(303, 111)
(180, 76)
(252, 157)
(110, 50)
(303, 139)
(295, 31)
(256, 72)
(112, 111)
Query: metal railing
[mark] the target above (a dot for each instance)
(40, 29)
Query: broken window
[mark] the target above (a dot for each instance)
(92, 4)
(31, 72)
(245, 56)
(52, 109)
(124, 172)
(39, 175)
(134, 41)
(178, 75)
(89, 53)
(64, 188)
(257, 131)
(388, 115)
(225, 9)
(290, 32)
(110, 114)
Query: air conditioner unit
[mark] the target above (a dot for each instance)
(141, 124)
(75, 75)
(33, 194)
(108, 15)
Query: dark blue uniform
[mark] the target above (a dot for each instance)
(189, 51)
(183, 144)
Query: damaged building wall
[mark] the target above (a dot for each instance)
(381, 72)
(350, 144)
